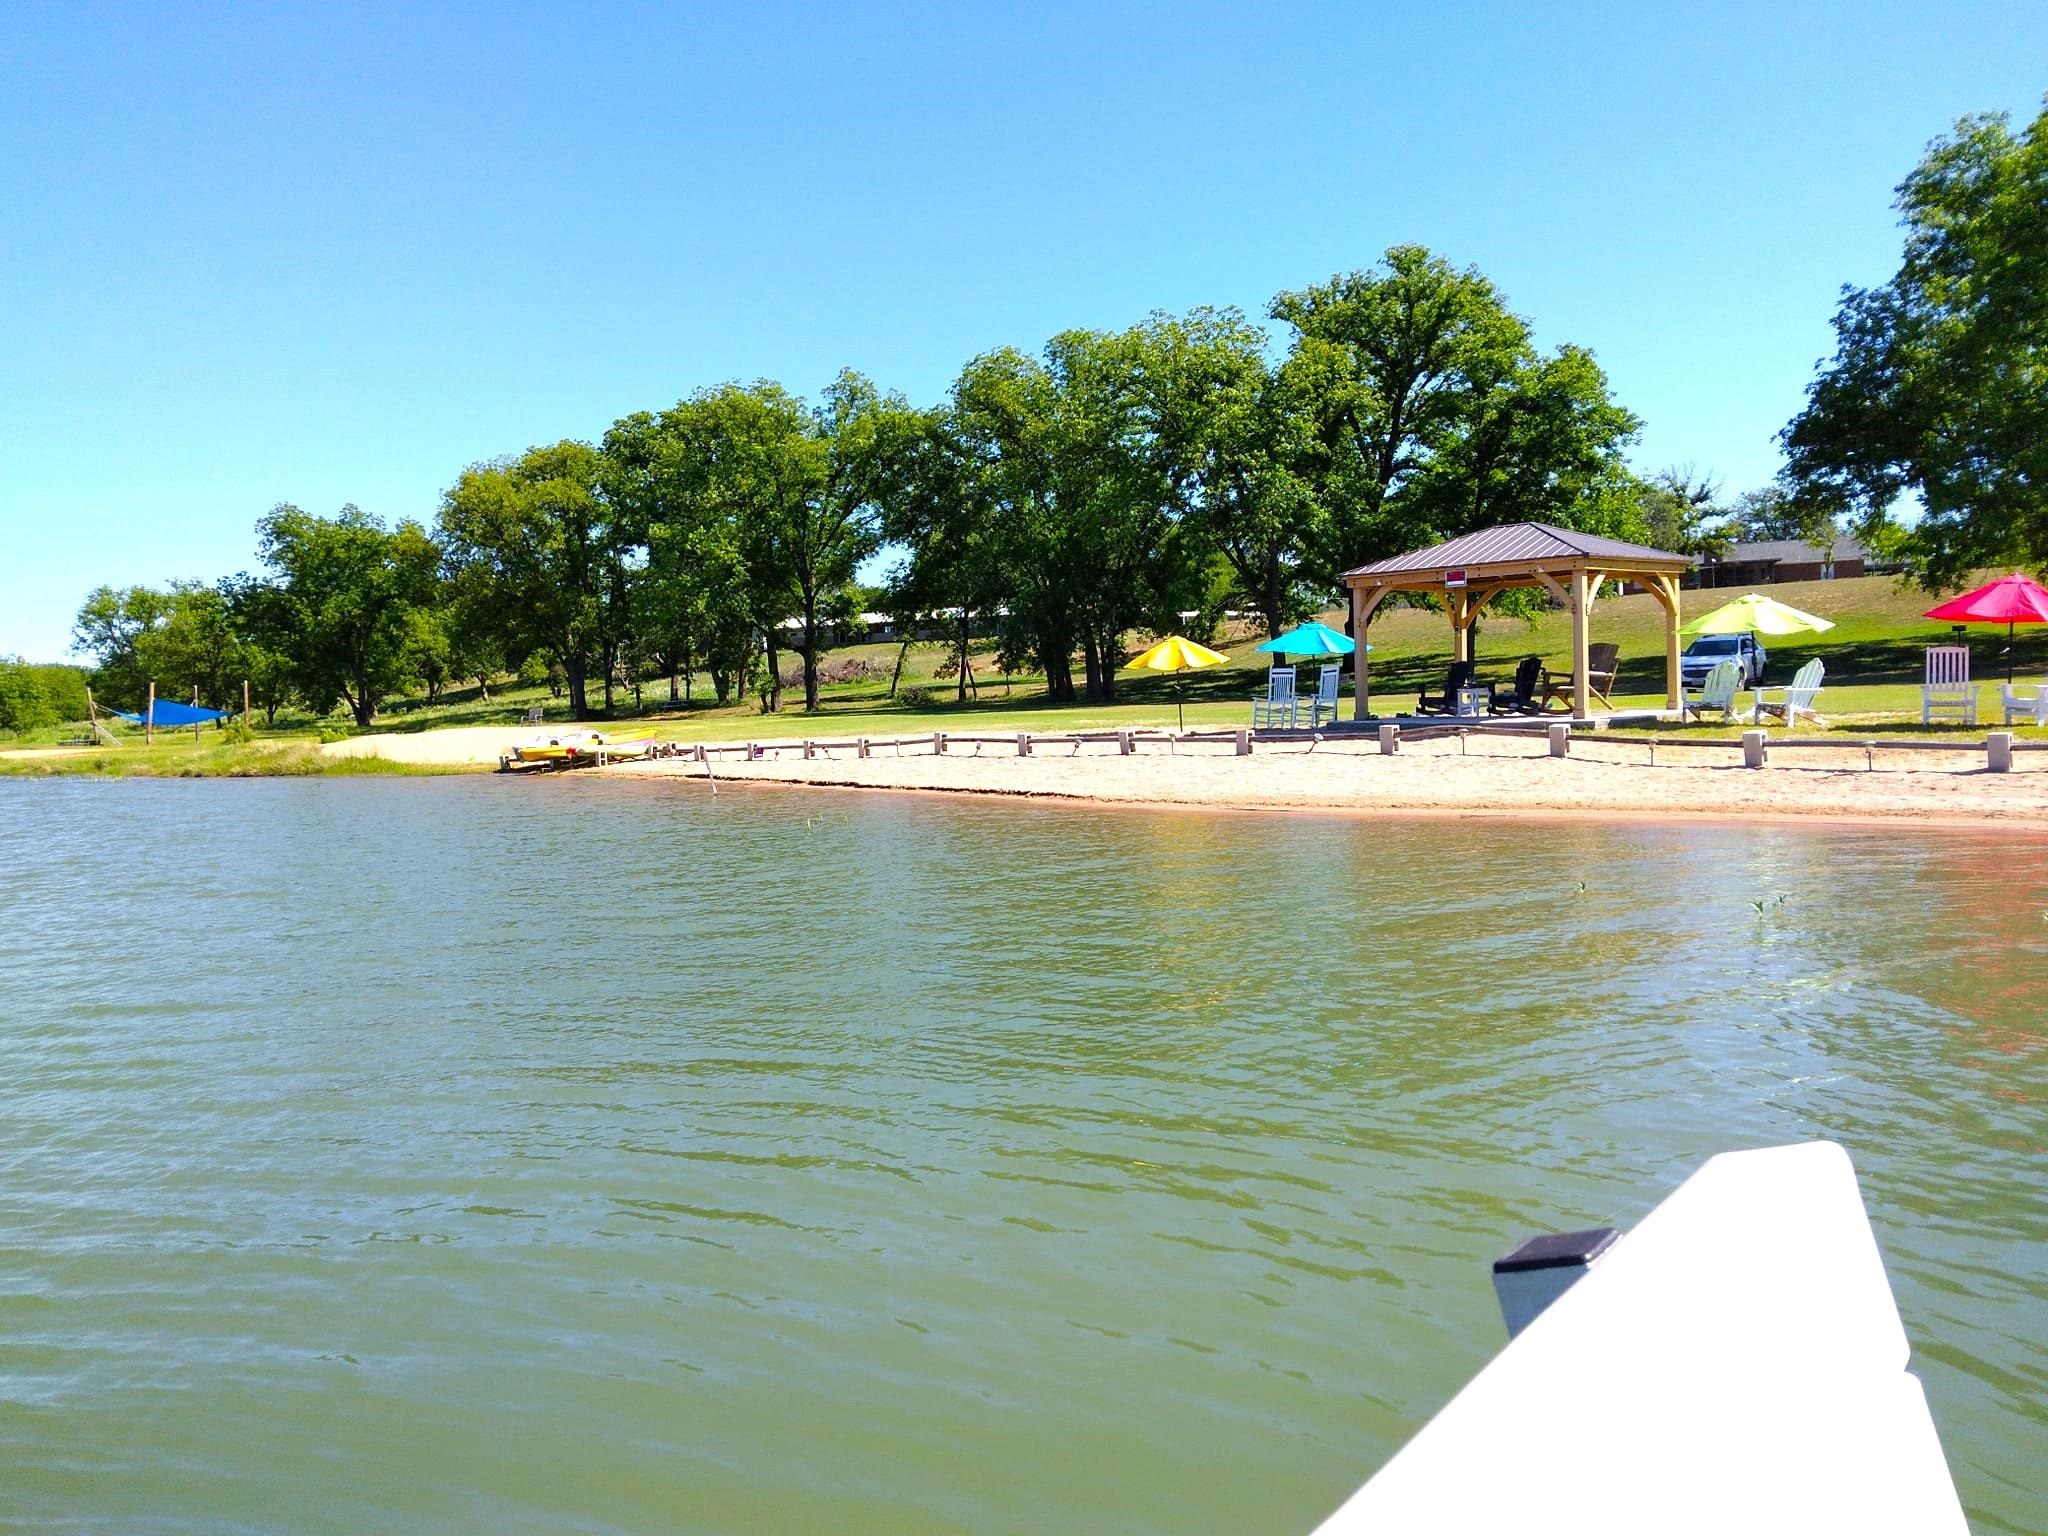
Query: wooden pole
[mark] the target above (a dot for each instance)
(1581, 684)
(149, 718)
(1361, 686)
(195, 723)
(245, 701)
(1673, 687)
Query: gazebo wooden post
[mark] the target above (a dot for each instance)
(1581, 684)
(1359, 661)
(1674, 696)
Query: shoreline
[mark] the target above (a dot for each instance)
(1500, 777)
(1490, 778)
(1539, 813)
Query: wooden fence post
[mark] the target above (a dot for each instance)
(1560, 738)
(1390, 739)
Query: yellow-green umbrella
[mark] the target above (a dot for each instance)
(1177, 653)
(1754, 611)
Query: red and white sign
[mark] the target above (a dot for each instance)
(1454, 578)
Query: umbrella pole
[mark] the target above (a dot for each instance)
(1180, 712)
(2008, 653)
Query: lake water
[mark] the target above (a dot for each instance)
(582, 1156)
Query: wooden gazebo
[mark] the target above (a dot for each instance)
(1468, 572)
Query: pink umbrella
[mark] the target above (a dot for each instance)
(2010, 600)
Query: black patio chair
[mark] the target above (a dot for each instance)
(1528, 694)
(1459, 676)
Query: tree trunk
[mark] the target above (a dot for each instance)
(483, 687)
(774, 698)
(674, 683)
(721, 686)
(579, 693)
(1091, 662)
(961, 694)
(1272, 599)
(902, 651)
(810, 652)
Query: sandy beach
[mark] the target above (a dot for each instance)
(1485, 775)
(1491, 777)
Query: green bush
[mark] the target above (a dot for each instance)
(329, 731)
(237, 734)
(24, 701)
(915, 696)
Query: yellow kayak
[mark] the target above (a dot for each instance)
(584, 744)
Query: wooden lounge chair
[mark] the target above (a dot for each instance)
(1445, 703)
(1527, 698)
(1275, 708)
(1322, 704)
(1948, 689)
(1717, 691)
(1799, 697)
(2031, 702)
(1603, 661)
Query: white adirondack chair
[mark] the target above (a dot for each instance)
(2023, 700)
(1322, 704)
(1717, 690)
(531, 717)
(1799, 697)
(1948, 689)
(1276, 706)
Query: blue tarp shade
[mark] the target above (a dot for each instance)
(169, 712)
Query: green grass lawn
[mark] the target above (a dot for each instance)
(1873, 660)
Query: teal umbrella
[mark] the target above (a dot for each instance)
(1312, 639)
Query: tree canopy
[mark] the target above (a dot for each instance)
(1938, 387)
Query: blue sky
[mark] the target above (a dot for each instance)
(331, 254)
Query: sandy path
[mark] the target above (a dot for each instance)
(1492, 776)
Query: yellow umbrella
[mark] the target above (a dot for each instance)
(1765, 615)
(1177, 653)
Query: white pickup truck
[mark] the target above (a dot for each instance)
(1707, 651)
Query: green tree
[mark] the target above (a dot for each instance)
(1938, 388)
(196, 648)
(262, 616)
(1681, 510)
(1771, 512)
(25, 704)
(1241, 454)
(349, 587)
(532, 538)
(112, 626)
(939, 517)
(1437, 414)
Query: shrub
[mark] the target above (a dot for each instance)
(915, 696)
(238, 734)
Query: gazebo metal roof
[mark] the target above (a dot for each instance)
(1520, 544)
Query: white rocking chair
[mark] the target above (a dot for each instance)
(1322, 704)
(1276, 706)
(1948, 690)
